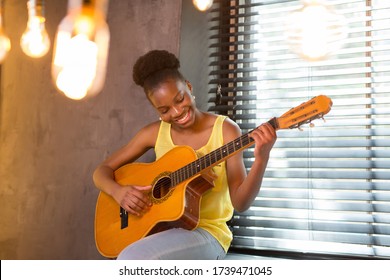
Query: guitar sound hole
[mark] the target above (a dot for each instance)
(162, 187)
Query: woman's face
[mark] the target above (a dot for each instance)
(174, 102)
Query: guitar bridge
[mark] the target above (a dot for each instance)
(124, 218)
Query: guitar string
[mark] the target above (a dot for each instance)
(213, 157)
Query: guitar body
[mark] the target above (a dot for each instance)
(177, 207)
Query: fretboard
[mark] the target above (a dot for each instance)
(215, 157)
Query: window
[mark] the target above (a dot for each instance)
(327, 188)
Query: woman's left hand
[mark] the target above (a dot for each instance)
(265, 138)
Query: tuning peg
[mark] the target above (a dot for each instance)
(300, 129)
(323, 119)
(311, 125)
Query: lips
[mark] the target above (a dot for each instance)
(183, 119)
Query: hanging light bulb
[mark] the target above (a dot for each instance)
(81, 50)
(35, 41)
(5, 43)
(315, 30)
(202, 5)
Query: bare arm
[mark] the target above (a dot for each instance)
(132, 198)
(245, 187)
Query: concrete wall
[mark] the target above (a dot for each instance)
(194, 51)
(50, 145)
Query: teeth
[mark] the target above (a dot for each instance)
(183, 118)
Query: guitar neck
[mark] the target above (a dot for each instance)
(215, 157)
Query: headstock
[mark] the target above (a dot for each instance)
(310, 110)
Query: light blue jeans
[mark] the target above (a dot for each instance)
(175, 244)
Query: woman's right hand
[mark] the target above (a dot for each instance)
(134, 199)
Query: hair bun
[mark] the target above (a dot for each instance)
(153, 62)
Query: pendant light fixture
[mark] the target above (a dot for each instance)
(35, 41)
(5, 43)
(202, 5)
(81, 50)
(315, 30)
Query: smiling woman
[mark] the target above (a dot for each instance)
(155, 202)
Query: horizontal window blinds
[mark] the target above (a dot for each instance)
(327, 187)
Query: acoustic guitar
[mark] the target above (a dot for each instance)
(177, 185)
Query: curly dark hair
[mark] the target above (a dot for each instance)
(155, 67)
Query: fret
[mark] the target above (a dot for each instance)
(213, 157)
(173, 178)
(186, 174)
(237, 144)
(181, 173)
(224, 152)
(191, 169)
(250, 140)
(247, 139)
(228, 148)
(202, 163)
(178, 177)
(218, 154)
(274, 123)
(198, 166)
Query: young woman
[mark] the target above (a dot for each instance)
(182, 123)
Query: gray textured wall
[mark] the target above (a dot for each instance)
(50, 145)
(194, 51)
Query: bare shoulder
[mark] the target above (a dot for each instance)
(152, 127)
(144, 140)
(149, 133)
(209, 118)
(231, 130)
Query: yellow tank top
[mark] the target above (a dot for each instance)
(216, 208)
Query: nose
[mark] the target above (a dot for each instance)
(176, 111)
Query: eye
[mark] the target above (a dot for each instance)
(180, 99)
(164, 111)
